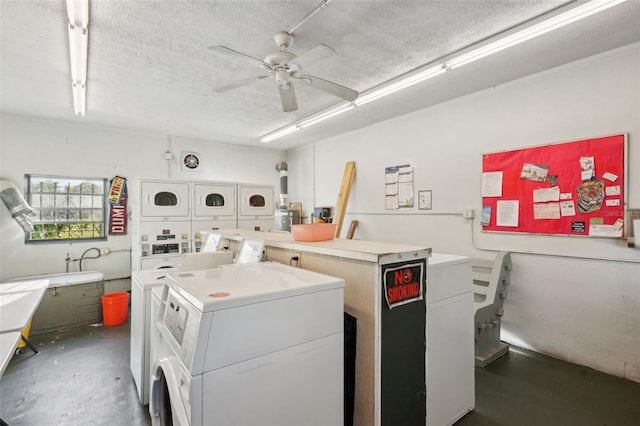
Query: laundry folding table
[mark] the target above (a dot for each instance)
(18, 302)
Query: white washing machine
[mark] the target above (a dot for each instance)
(249, 344)
(142, 284)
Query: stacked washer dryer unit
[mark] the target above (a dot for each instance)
(248, 344)
(170, 216)
(256, 208)
(214, 207)
(162, 224)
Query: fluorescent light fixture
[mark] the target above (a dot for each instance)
(403, 83)
(79, 98)
(279, 133)
(577, 13)
(78, 13)
(78, 28)
(326, 114)
(582, 11)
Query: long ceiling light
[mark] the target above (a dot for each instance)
(332, 112)
(430, 70)
(283, 131)
(403, 83)
(577, 13)
(78, 27)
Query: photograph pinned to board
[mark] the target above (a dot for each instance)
(398, 187)
(485, 219)
(492, 184)
(534, 172)
(588, 166)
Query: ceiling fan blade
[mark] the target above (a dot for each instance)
(288, 98)
(317, 54)
(329, 87)
(235, 84)
(234, 53)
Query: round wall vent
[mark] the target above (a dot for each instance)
(190, 161)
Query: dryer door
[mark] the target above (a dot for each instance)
(164, 199)
(256, 202)
(214, 201)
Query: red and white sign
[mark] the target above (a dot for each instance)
(403, 283)
(118, 212)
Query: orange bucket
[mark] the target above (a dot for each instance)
(115, 308)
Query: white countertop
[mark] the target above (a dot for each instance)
(18, 302)
(369, 251)
(8, 344)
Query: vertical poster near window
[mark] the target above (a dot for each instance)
(398, 181)
(118, 206)
(571, 188)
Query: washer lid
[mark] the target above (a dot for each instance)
(150, 278)
(242, 284)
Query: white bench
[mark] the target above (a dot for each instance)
(490, 281)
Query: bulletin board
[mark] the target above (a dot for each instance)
(573, 188)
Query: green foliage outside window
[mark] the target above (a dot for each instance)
(67, 208)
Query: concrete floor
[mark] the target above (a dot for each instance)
(82, 377)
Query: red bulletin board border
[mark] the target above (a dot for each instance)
(563, 161)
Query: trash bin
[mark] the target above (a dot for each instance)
(115, 307)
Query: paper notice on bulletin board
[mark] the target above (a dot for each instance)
(398, 182)
(572, 188)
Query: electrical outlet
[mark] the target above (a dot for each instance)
(104, 251)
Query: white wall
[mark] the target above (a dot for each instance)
(573, 298)
(47, 147)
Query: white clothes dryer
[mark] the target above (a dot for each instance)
(164, 200)
(249, 344)
(141, 285)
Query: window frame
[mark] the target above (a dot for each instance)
(29, 193)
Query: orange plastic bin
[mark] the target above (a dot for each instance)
(115, 307)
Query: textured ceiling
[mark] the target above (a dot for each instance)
(150, 69)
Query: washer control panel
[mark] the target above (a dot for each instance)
(181, 321)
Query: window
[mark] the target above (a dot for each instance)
(67, 208)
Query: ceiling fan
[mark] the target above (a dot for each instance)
(285, 67)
